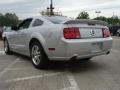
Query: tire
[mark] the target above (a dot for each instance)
(86, 59)
(6, 47)
(118, 34)
(38, 56)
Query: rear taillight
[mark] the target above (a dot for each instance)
(106, 32)
(71, 33)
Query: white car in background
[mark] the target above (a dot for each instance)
(58, 38)
(118, 33)
(7, 29)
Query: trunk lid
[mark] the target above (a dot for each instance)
(88, 28)
(91, 32)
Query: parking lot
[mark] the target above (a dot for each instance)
(101, 73)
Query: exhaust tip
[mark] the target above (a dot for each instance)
(108, 52)
(74, 57)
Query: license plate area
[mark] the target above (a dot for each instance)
(97, 47)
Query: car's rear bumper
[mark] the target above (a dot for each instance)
(84, 48)
(75, 56)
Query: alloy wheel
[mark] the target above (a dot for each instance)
(36, 55)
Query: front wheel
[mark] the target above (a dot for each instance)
(38, 55)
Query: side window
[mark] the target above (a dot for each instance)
(25, 24)
(37, 22)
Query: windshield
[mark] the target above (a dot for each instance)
(57, 19)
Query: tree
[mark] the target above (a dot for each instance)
(101, 18)
(8, 19)
(112, 20)
(83, 15)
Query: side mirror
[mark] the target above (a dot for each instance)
(14, 28)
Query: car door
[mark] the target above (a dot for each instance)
(21, 35)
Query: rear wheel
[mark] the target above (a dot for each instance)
(118, 34)
(38, 56)
(6, 47)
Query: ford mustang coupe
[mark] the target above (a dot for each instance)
(58, 38)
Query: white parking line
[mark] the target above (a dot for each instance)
(7, 68)
(33, 77)
(68, 88)
(2, 53)
(14, 69)
(74, 85)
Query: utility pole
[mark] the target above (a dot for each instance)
(51, 8)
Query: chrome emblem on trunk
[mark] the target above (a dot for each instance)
(92, 32)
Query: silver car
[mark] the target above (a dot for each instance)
(58, 38)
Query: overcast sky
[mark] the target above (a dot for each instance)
(70, 8)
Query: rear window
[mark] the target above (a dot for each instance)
(57, 19)
(37, 22)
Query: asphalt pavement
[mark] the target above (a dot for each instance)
(100, 73)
